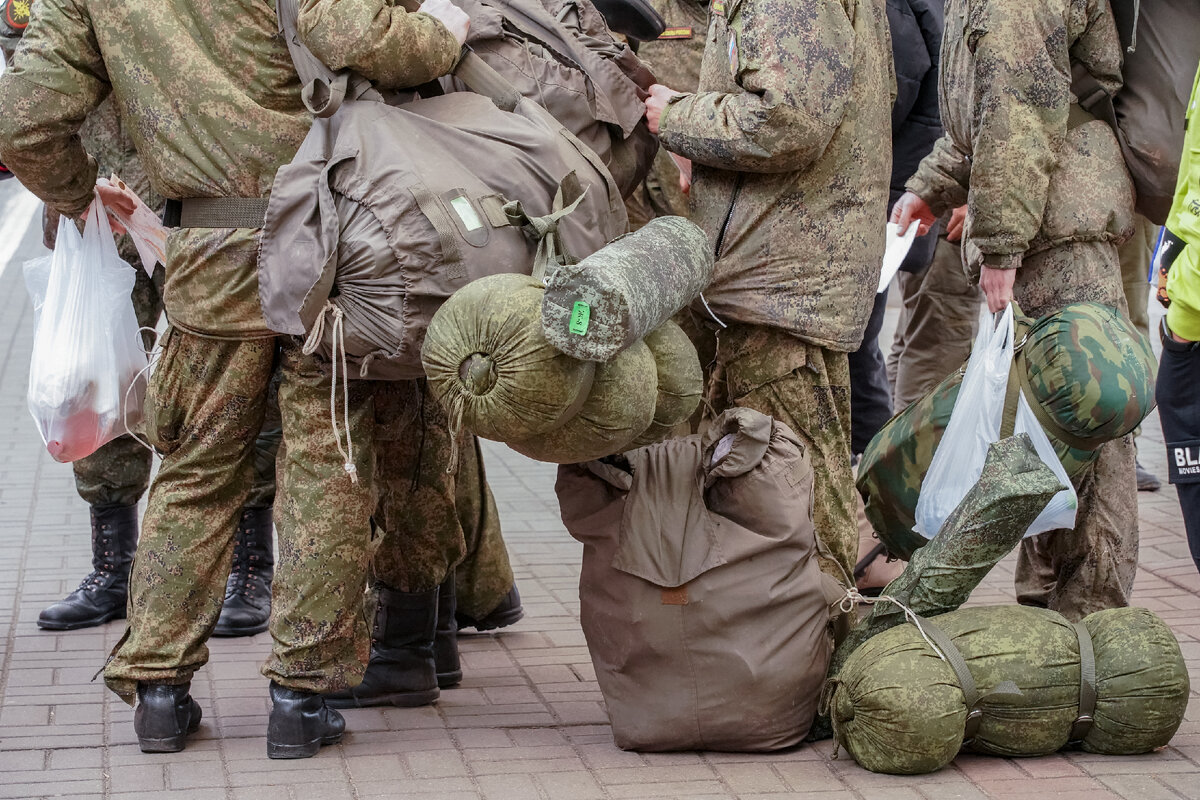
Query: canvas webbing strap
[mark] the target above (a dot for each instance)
(480, 78)
(1087, 686)
(966, 680)
(437, 215)
(216, 212)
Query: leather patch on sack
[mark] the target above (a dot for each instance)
(675, 597)
(1183, 462)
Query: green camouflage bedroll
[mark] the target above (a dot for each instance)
(1089, 376)
(1013, 682)
(680, 381)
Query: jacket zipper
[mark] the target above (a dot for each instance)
(737, 189)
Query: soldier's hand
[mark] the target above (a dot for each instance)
(450, 15)
(997, 284)
(911, 207)
(657, 101)
(954, 230)
(116, 198)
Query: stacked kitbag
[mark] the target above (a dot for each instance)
(585, 364)
(389, 206)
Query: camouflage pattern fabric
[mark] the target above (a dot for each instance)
(243, 90)
(431, 520)
(1077, 572)
(628, 288)
(618, 409)
(680, 382)
(806, 388)
(490, 364)
(789, 178)
(205, 405)
(938, 322)
(898, 707)
(674, 58)
(1034, 182)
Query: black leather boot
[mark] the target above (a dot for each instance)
(102, 594)
(164, 717)
(508, 612)
(445, 640)
(300, 723)
(401, 671)
(248, 591)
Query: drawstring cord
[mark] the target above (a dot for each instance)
(337, 333)
(152, 355)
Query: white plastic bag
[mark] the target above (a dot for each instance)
(86, 381)
(144, 227)
(974, 425)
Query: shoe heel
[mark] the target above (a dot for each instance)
(306, 750)
(171, 744)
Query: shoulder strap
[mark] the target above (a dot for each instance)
(308, 67)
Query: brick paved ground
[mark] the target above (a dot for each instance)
(528, 720)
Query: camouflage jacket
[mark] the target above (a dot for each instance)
(674, 58)
(1033, 173)
(212, 103)
(788, 133)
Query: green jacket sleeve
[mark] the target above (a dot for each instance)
(377, 39)
(57, 79)
(792, 63)
(1184, 220)
(943, 177)
(1020, 103)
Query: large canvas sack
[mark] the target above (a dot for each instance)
(386, 210)
(562, 56)
(1015, 681)
(700, 595)
(1091, 374)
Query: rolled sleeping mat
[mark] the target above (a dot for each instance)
(680, 381)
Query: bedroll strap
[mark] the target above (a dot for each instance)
(971, 696)
(437, 215)
(1087, 686)
(544, 230)
(480, 78)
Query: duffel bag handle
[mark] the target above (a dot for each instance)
(481, 78)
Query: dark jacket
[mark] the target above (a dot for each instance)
(916, 123)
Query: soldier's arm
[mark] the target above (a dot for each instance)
(793, 60)
(1020, 106)
(943, 178)
(378, 39)
(57, 79)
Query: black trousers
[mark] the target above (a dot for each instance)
(870, 394)
(1179, 413)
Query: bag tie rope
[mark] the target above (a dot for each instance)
(337, 331)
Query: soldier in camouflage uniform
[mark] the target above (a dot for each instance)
(791, 183)
(113, 479)
(216, 116)
(674, 58)
(1048, 200)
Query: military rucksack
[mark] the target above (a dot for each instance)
(1161, 49)
(386, 210)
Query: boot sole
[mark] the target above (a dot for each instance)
(86, 623)
(230, 632)
(306, 750)
(496, 621)
(448, 680)
(396, 699)
(171, 744)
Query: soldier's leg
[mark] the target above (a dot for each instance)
(808, 389)
(1093, 565)
(484, 580)
(204, 405)
(420, 541)
(322, 518)
(870, 395)
(940, 324)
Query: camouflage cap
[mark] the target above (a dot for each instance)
(1091, 372)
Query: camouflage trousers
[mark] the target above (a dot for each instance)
(938, 323)
(433, 520)
(808, 389)
(1076, 572)
(205, 407)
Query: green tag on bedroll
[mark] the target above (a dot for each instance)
(580, 315)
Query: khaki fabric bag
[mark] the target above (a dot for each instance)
(387, 210)
(700, 595)
(561, 55)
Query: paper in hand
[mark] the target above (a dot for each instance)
(897, 248)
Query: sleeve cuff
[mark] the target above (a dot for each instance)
(1001, 260)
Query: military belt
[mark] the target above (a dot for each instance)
(216, 212)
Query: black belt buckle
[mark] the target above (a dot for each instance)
(172, 213)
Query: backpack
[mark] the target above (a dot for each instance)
(1147, 114)
(386, 210)
(562, 56)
